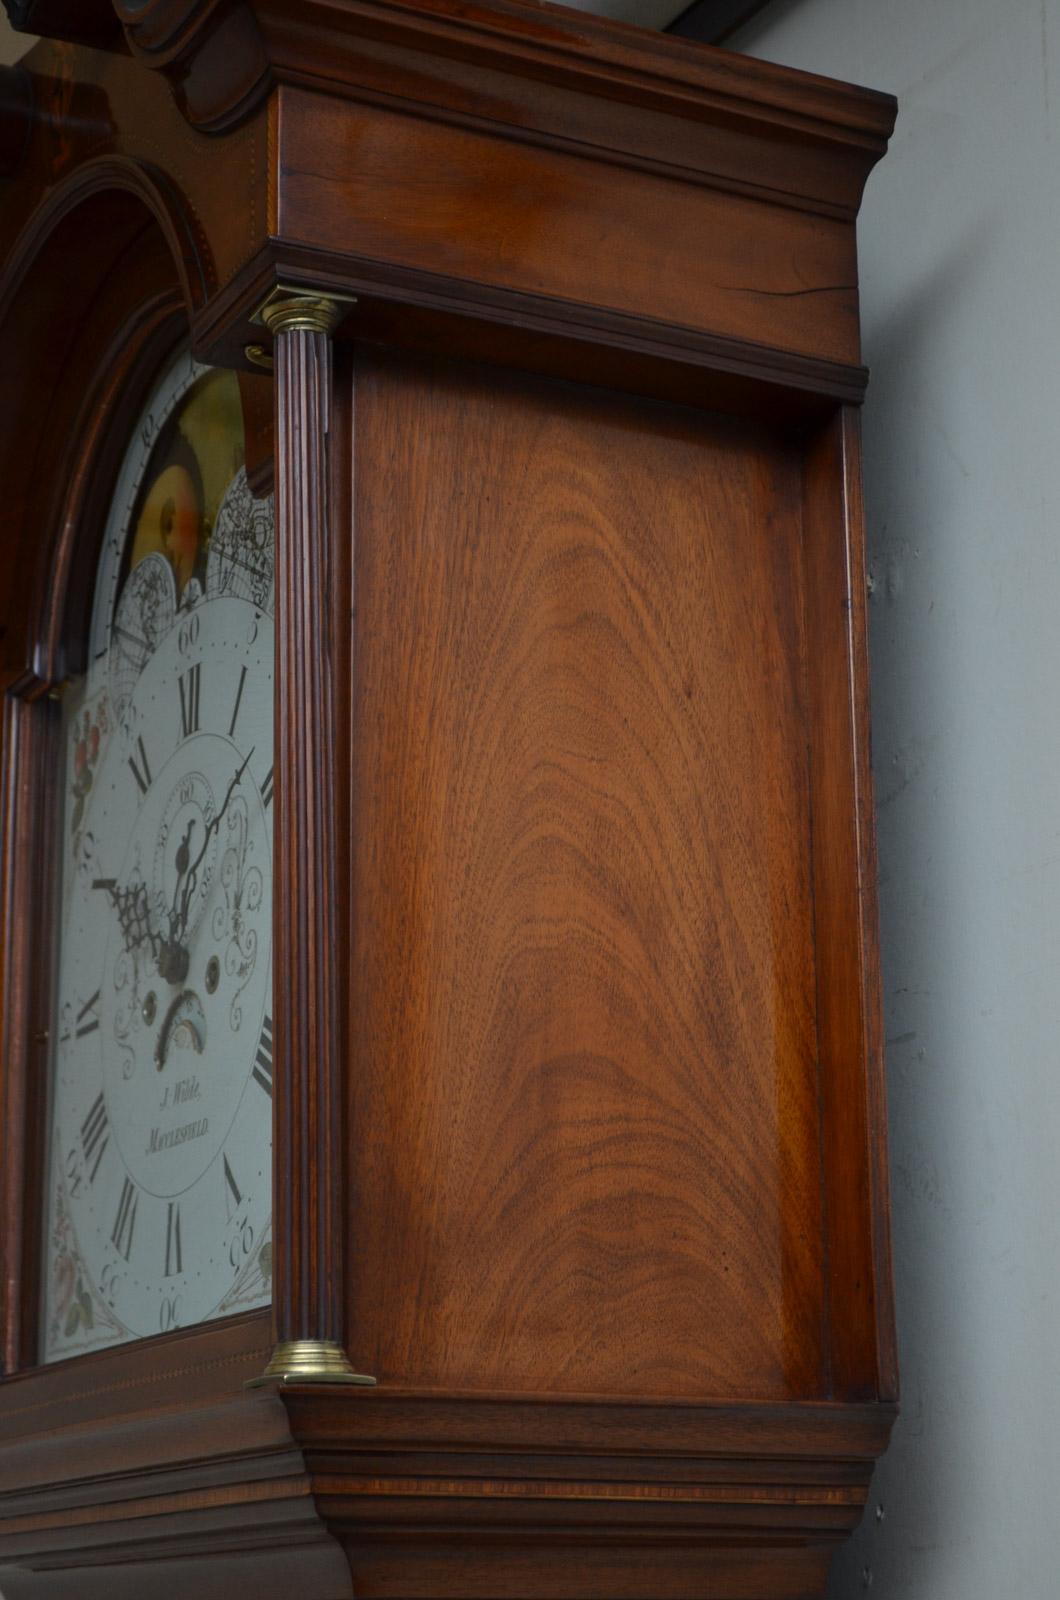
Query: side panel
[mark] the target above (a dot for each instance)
(853, 1108)
(583, 1086)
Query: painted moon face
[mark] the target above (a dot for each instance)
(171, 523)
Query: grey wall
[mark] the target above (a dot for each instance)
(12, 44)
(960, 264)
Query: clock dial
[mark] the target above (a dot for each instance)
(159, 1175)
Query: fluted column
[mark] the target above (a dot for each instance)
(307, 1119)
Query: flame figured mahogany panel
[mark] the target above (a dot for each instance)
(583, 1090)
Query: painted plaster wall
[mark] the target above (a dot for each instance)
(12, 44)
(960, 265)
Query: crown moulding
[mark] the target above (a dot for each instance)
(518, 62)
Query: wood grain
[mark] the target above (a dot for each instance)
(561, 77)
(854, 1124)
(377, 186)
(436, 1495)
(580, 771)
(148, 1377)
(92, 106)
(202, 1496)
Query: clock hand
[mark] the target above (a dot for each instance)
(184, 854)
(173, 959)
(134, 919)
(212, 826)
(183, 857)
(170, 955)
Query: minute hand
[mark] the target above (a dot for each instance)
(192, 876)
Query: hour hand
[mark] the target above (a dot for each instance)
(212, 827)
(133, 917)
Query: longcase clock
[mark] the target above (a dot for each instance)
(440, 1059)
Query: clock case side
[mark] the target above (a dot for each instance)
(464, 1489)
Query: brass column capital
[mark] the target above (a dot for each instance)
(294, 313)
(287, 310)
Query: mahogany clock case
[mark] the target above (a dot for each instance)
(604, 1127)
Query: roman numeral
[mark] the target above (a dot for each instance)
(174, 1259)
(188, 683)
(141, 772)
(125, 1221)
(266, 790)
(94, 1135)
(233, 1198)
(88, 1017)
(239, 697)
(263, 1059)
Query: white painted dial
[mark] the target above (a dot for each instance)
(160, 1176)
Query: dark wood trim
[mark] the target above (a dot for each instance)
(398, 1474)
(442, 316)
(113, 178)
(28, 743)
(208, 1495)
(75, 322)
(16, 118)
(853, 1112)
(617, 88)
(131, 362)
(559, 47)
(392, 1417)
(210, 1362)
(342, 535)
(81, 21)
(307, 1145)
(498, 1485)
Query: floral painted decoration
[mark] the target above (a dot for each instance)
(87, 734)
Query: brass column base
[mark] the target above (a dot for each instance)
(308, 1361)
